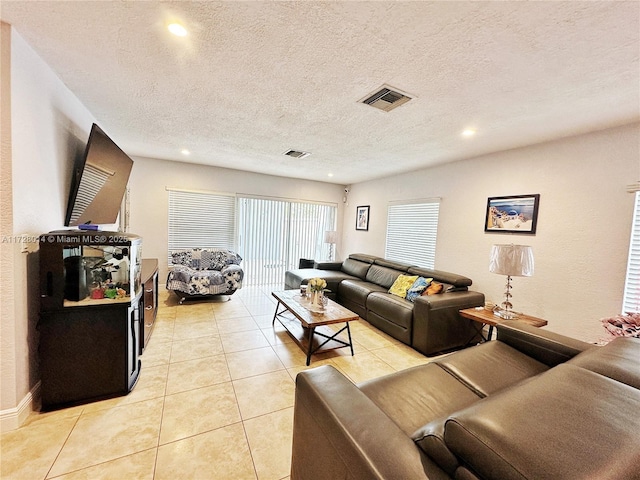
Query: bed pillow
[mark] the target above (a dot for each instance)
(419, 286)
(402, 284)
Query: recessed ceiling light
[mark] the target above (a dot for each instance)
(184, 151)
(177, 29)
(330, 175)
(469, 132)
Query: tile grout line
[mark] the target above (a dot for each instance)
(62, 447)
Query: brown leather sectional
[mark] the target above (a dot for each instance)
(430, 325)
(530, 405)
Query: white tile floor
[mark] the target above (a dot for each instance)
(214, 400)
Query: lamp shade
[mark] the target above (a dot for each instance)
(330, 236)
(513, 260)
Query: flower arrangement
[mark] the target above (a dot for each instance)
(317, 284)
(626, 325)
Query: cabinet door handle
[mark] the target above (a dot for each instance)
(148, 307)
(149, 291)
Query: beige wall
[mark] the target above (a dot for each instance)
(44, 128)
(7, 325)
(584, 222)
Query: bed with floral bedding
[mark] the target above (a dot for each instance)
(202, 272)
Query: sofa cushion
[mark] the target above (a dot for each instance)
(402, 284)
(490, 367)
(485, 369)
(391, 308)
(400, 266)
(363, 257)
(217, 259)
(382, 276)
(458, 281)
(567, 423)
(357, 291)
(418, 395)
(619, 359)
(355, 268)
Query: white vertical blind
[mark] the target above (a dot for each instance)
(411, 233)
(631, 298)
(262, 228)
(201, 220)
(308, 223)
(275, 234)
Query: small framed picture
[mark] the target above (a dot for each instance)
(362, 218)
(514, 214)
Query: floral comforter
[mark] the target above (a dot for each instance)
(205, 272)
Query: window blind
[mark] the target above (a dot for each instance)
(201, 220)
(412, 229)
(275, 234)
(631, 298)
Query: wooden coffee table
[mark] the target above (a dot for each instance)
(487, 317)
(308, 326)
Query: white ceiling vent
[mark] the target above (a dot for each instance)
(296, 154)
(386, 98)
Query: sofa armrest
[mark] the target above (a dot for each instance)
(543, 345)
(438, 325)
(338, 432)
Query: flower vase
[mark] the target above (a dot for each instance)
(315, 301)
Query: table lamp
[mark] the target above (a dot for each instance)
(512, 261)
(330, 237)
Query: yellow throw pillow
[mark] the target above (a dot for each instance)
(402, 284)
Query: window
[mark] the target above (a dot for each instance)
(631, 298)
(271, 235)
(201, 220)
(274, 234)
(412, 229)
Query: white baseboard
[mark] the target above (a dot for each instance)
(13, 418)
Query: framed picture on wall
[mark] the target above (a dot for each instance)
(513, 214)
(362, 218)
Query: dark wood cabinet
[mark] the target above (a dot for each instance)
(149, 299)
(90, 325)
(88, 354)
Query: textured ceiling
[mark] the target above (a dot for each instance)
(254, 79)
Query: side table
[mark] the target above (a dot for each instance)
(487, 317)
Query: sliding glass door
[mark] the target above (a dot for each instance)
(274, 234)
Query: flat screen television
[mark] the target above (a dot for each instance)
(99, 182)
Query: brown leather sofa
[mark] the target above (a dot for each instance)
(431, 324)
(530, 405)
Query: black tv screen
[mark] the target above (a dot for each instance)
(99, 182)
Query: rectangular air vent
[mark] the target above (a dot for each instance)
(386, 98)
(296, 153)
